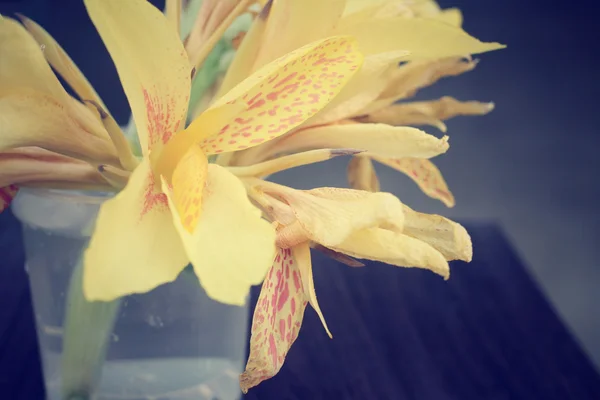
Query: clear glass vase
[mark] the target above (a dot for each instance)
(171, 343)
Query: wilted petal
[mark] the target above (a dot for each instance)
(329, 215)
(394, 248)
(61, 62)
(134, 246)
(404, 81)
(32, 164)
(424, 38)
(375, 139)
(362, 175)
(232, 247)
(35, 119)
(277, 320)
(428, 112)
(287, 92)
(425, 174)
(448, 237)
(151, 62)
(23, 64)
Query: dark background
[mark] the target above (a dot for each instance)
(531, 165)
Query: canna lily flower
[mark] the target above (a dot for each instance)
(176, 208)
(348, 224)
(430, 44)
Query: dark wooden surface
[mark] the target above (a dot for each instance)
(487, 334)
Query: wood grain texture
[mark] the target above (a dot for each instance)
(487, 334)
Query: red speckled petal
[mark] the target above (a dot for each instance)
(277, 319)
(425, 174)
(287, 92)
(7, 193)
(151, 62)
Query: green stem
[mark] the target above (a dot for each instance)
(87, 333)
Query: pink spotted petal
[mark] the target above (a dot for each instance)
(285, 93)
(277, 319)
(425, 174)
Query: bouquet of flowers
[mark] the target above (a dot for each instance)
(254, 88)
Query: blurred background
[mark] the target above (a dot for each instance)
(530, 166)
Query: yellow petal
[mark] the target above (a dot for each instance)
(35, 119)
(33, 164)
(134, 247)
(425, 174)
(329, 215)
(364, 87)
(277, 320)
(428, 112)
(423, 38)
(304, 264)
(23, 63)
(232, 247)
(447, 237)
(151, 62)
(292, 161)
(394, 248)
(376, 139)
(287, 92)
(7, 193)
(188, 184)
(362, 175)
(61, 62)
(293, 18)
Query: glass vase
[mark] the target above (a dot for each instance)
(171, 343)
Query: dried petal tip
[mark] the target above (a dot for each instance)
(345, 152)
(340, 257)
(264, 14)
(114, 176)
(99, 108)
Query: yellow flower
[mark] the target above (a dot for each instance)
(364, 116)
(175, 208)
(147, 234)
